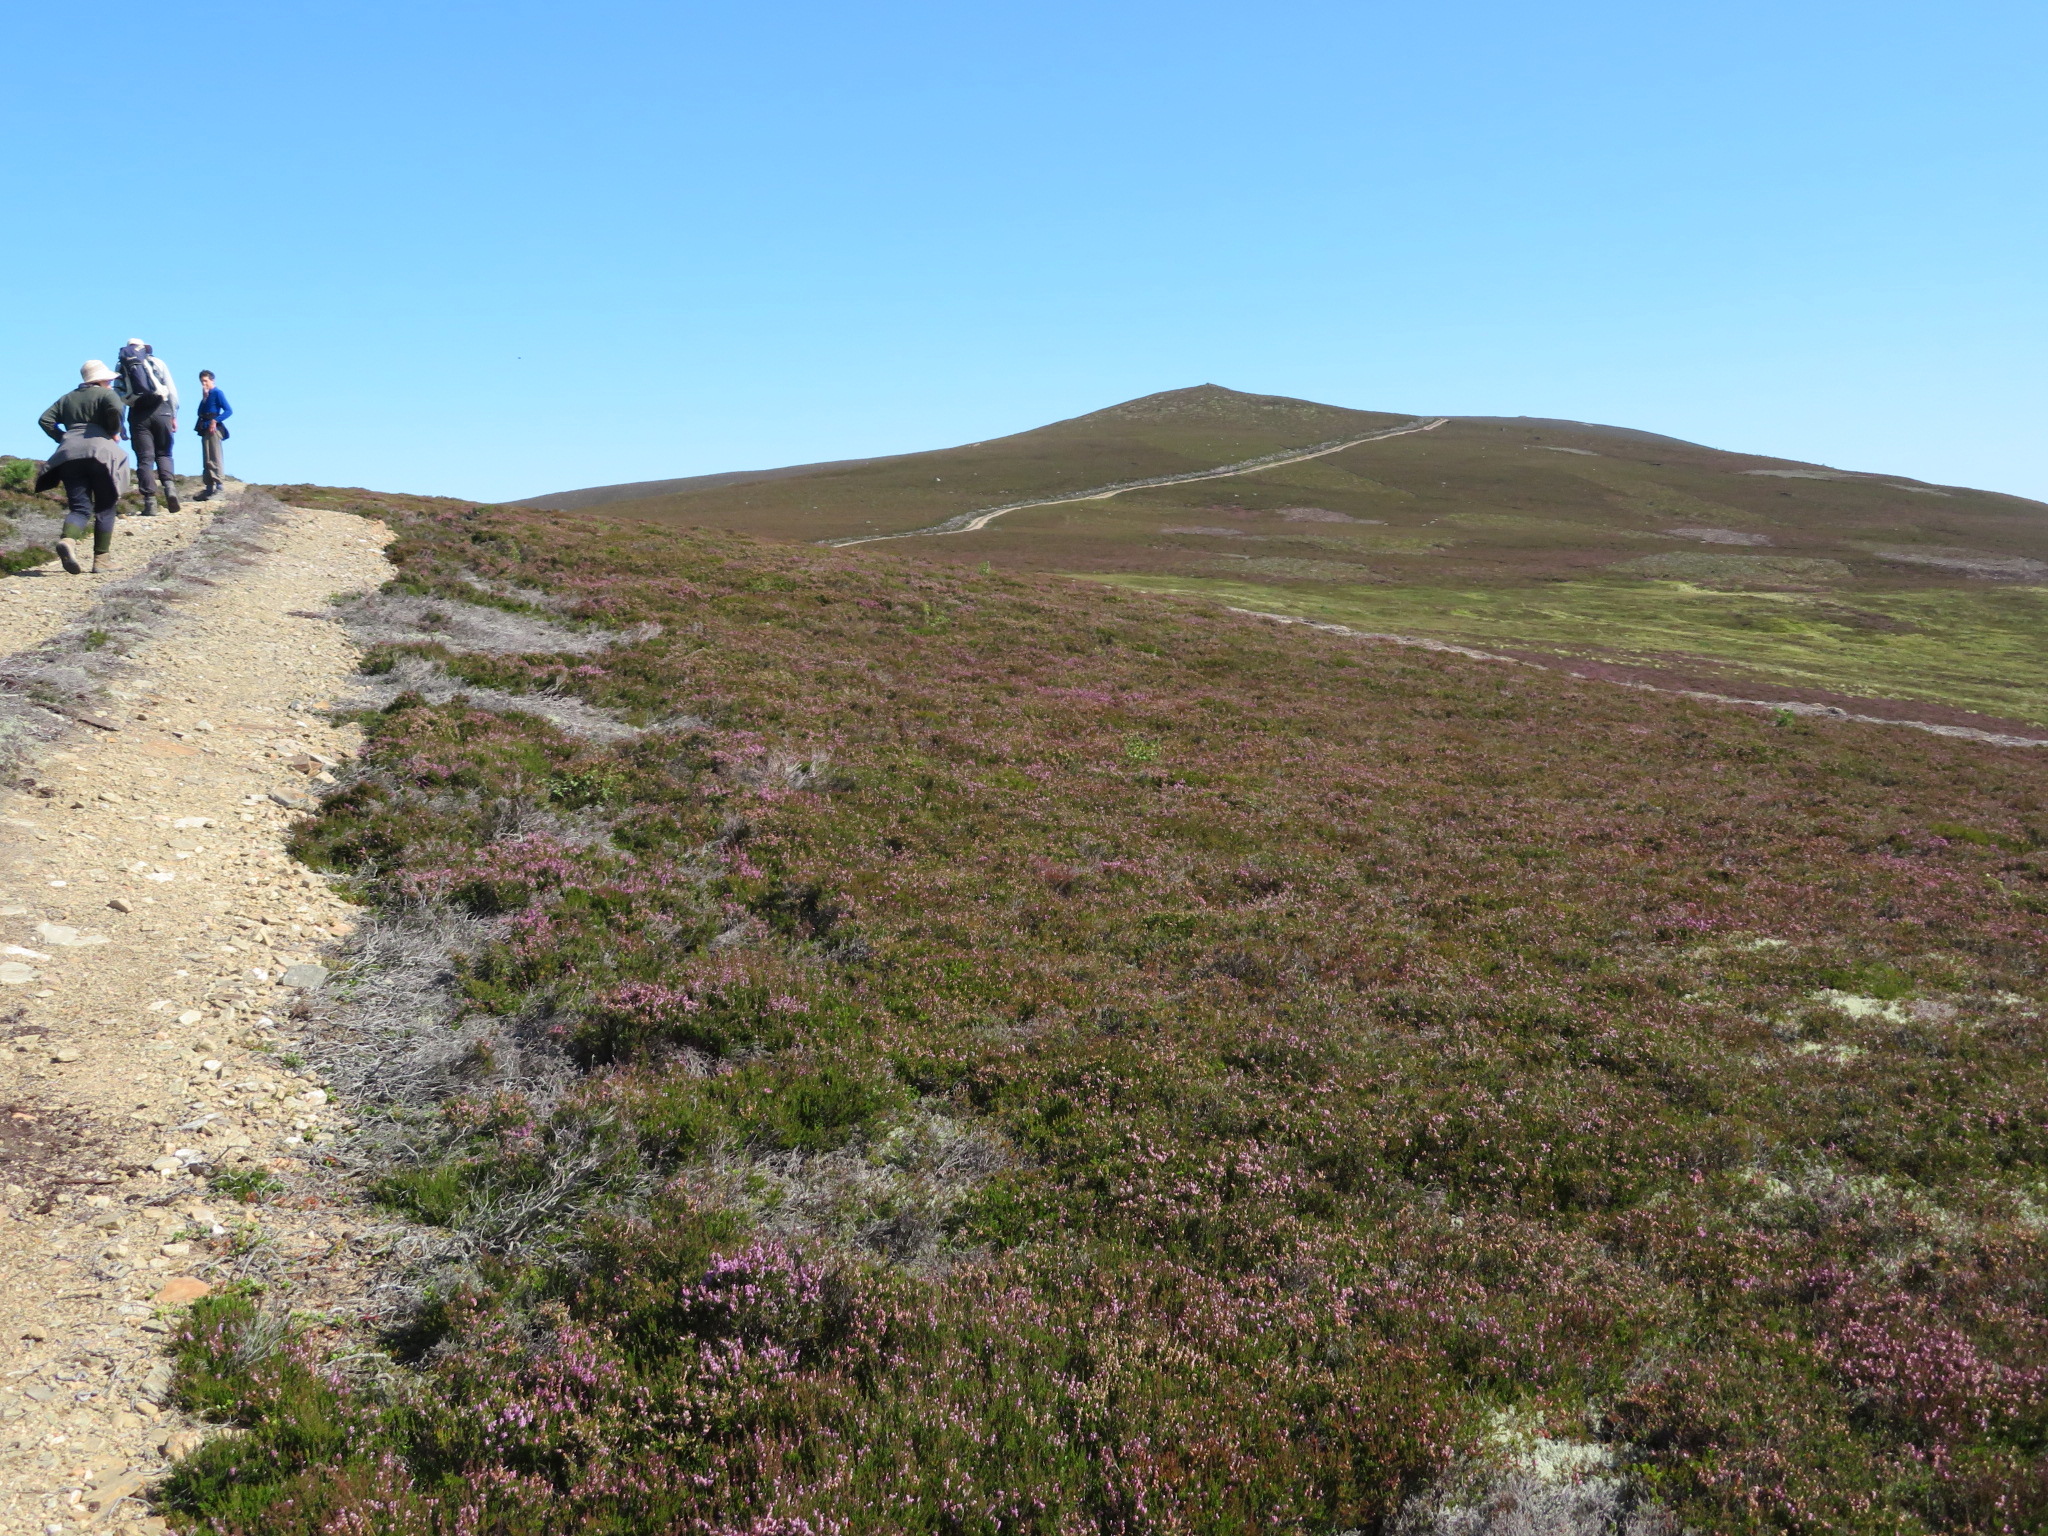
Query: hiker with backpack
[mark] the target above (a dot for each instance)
(89, 463)
(214, 412)
(152, 420)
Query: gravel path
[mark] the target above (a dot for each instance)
(36, 604)
(147, 913)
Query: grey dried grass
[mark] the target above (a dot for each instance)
(919, 1174)
(566, 713)
(394, 1031)
(1522, 1504)
(399, 618)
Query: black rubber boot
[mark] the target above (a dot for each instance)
(170, 497)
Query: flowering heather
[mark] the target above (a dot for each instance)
(1044, 1059)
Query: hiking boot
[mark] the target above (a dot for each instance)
(104, 561)
(148, 507)
(208, 494)
(70, 560)
(170, 499)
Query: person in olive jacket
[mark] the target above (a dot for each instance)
(89, 463)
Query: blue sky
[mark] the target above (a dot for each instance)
(497, 249)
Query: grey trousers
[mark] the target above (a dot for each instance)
(211, 443)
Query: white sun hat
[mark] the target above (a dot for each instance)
(95, 372)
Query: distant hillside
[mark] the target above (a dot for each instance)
(1643, 556)
(1186, 429)
(648, 490)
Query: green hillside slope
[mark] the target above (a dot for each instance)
(1670, 561)
(981, 1053)
(1189, 429)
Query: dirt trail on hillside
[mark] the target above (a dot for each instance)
(149, 918)
(974, 522)
(1782, 706)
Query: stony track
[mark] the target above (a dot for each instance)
(149, 922)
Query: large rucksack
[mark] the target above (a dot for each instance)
(146, 380)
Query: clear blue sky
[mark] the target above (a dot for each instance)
(497, 249)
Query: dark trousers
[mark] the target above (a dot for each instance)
(152, 439)
(89, 497)
(210, 442)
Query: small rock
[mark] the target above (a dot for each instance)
(202, 725)
(186, 823)
(168, 1165)
(176, 1250)
(68, 938)
(181, 1443)
(305, 974)
(14, 974)
(292, 802)
(113, 1491)
(190, 1016)
(120, 905)
(33, 1331)
(69, 1053)
(40, 1394)
(181, 1291)
(156, 1386)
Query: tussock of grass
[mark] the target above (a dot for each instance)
(27, 558)
(1029, 1057)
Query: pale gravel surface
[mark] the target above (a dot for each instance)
(164, 1028)
(38, 603)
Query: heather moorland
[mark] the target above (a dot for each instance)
(879, 1044)
(1642, 556)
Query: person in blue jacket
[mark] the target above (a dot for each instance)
(214, 411)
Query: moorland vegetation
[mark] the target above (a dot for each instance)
(1672, 562)
(988, 1053)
